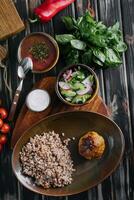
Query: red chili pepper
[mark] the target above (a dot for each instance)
(49, 8)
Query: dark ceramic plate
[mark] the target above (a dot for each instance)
(75, 124)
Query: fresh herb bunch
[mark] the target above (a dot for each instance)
(90, 41)
(39, 51)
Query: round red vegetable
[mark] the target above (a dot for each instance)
(3, 113)
(3, 139)
(1, 147)
(1, 123)
(5, 128)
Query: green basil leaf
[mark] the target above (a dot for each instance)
(64, 38)
(99, 54)
(120, 47)
(72, 57)
(87, 57)
(77, 35)
(79, 20)
(69, 22)
(91, 78)
(101, 27)
(89, 18)
(112, 58)
(98, 62)
(78, 44)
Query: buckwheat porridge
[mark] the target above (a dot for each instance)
(47, 159)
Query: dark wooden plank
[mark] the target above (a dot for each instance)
(116, 97)
(28, 83)
(121, 184)
(13, 44)
(8, 183)
(6, 189)
(128, 20)
(81, 196)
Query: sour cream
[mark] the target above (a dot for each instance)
(38, 100)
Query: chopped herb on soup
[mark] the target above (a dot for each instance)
(39, 50)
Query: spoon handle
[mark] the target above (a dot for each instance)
(15, 102)
(14, 105)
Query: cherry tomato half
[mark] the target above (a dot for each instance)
(3, 139)
(1, 147)
(5, 128)
(1, 123)
(3, 113)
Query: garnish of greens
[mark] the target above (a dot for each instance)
(39, 51)
(76, 85)
(89, 41)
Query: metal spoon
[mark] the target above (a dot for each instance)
(25, 65)
(21, 75)
(20, 72)
(17, 94)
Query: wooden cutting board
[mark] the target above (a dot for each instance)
(27, 118)
(10, 21)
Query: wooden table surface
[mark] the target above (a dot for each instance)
(116, 88)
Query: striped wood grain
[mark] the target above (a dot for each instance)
(116, 88)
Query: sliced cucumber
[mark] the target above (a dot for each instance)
(81, 98)
(68, 99)
(88, 81)
(78, 44)
(87, 96)
(77, 86)
(68, 93)
(63, 85)
(91, 78)
(78, 75)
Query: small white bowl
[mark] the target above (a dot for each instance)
(38, 100)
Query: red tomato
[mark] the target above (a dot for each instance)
(1, 147)
(3, 139)
(1, 123)
(3, 113)
(5, 128)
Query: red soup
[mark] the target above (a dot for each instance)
(42, 49)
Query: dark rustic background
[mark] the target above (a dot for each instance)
(116, 88)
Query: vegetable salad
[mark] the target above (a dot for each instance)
(76, 85)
